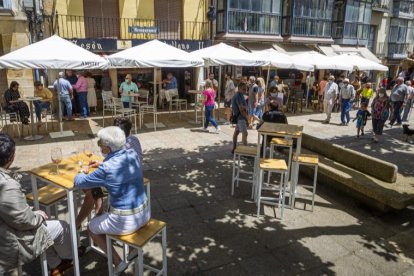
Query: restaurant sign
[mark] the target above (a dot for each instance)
(112, 45)
(143, 30)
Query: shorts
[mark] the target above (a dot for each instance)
(227, 103)
(108, 223)
(241, 125)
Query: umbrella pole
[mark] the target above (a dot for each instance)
(61, 133)
(155, 93)
(267, 79)
(219, 92)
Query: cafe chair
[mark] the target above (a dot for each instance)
(240, 152)
(138, 240)
(310, 161)
(9, 119)
(274, 166)
(107, 105)
(119, 109)
(49, 196)
(178, 104)
(149, 109)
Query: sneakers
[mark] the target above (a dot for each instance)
(218, 129)
(64, 265)
(205, 129)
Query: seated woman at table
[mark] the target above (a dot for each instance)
(26, 233)
(44, 103)
(13, 104)
(121, 174)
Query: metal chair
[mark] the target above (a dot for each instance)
(107, 105)
(121, 110)
(149, 109)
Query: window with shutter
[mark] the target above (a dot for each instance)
(101, 18)
(168, 16)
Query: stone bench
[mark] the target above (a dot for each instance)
(372, 181)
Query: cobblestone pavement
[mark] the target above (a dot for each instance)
(212, 233)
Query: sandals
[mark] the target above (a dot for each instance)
(62, 267)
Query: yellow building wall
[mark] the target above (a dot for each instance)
(73, 25)
(136, 13)
(195, 23)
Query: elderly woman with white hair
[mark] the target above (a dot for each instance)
(120, 173)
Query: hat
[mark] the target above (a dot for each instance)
(61, 74)
(331, 77)
(346, 80)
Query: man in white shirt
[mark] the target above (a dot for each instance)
(331, 92)
(409, 101)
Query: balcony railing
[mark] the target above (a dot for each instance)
(398, 50)
(309, 27)
(73, 26)
(381, 5)
(252, 23)
(348, 30)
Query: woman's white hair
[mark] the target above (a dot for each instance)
(112, 137)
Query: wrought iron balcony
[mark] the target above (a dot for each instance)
(398, 50)
(381, 5)
(73, 26)
(307, 27)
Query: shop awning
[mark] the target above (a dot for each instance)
(292, 49)
(334, 50)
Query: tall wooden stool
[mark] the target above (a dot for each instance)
(138, 240)
(49, 196)
(311, 161)
(282, 143)
(245, 151)
(273, 166)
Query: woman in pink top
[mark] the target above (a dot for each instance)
(209, 96)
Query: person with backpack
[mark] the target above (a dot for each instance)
(239, 115)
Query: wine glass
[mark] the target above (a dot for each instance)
(88, 151)
(56, 155)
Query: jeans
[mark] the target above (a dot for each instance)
(209, 116)
(66, 104)
(397, 112)
(83, 102)
(407, 108)
(345, 108)
(39, 105)
(125, 104)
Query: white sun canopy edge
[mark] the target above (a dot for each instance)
(359, 63)
(154, 54)
(52, 53)
(283, 61)
(321, 62)
(223, 54)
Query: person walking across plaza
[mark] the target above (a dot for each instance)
(66, 95)
(209, 97)
(253, 99)
(239, 115)
(346, 97)
(329, 98)
(228, 95)
(126, 87)
(72, 79)
(398, 94)
(366, 93)
(81, 87)
(321, 91)
(46, 99)
(380, 109)
(361, 117)
(258, 113)
(408, 102)
(25, 233)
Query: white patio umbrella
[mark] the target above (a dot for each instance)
(154, 54)
(281, 60)
(321, 61)
(53, 53)
(359, 63)
(223, 54)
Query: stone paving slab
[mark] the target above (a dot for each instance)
(212, 233)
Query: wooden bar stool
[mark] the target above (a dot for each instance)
(138, 240)
(49, 196)
(245, 151)
(273, 166)
(311, 161)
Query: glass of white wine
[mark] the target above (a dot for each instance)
(56, 156)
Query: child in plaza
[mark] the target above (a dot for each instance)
(361, 117)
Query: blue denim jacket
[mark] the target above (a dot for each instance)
(121, 174)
